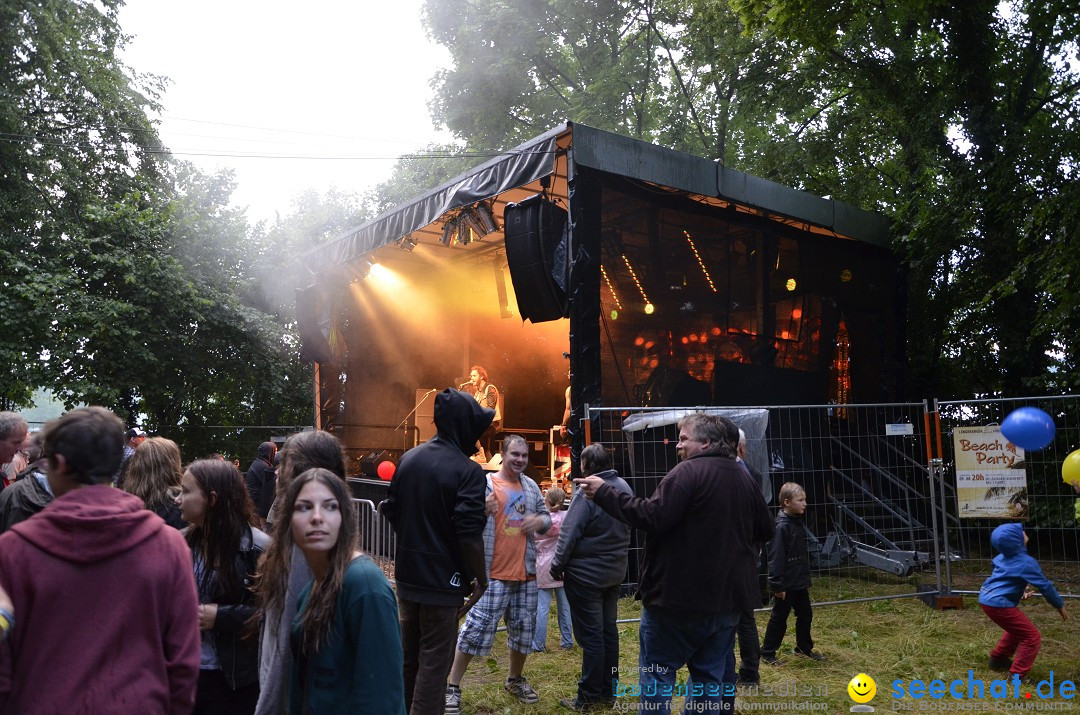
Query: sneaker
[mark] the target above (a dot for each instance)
(452, 704)
(520, 689)
(572, 705)
(812, 655)
(1001, 665)
(771, 659)
(740, 680)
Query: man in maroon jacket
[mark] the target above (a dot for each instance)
(103, 591)
(702, 527)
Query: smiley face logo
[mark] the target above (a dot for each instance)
(862, 688)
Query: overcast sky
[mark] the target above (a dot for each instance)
(342, 79)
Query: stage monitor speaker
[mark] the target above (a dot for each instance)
(425, 415)
(536, 253)
(667, 387)
(369, 464)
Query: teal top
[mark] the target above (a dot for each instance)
(359, 667)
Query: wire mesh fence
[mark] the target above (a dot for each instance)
(901, 497)
(1002, 482)
(871, 513)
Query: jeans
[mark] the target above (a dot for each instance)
(1020, 637)
(595, 611)
(704, 642)
(749, 647)
(799, 601)
(543, 606)
(215, 697)
(427, 640)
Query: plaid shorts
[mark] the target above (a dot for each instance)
(515, 601)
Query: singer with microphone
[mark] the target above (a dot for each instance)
(488, 396)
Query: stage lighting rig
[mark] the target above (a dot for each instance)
(486, 217)
(360, 270)
(449, 232)
(470, 222)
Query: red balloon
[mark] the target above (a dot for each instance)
(386, 470)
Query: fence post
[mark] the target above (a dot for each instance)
(939, 474)
(588, 425)
(934, 473)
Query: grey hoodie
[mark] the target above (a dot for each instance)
(593, 544)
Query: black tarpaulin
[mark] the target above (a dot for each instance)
(521, 165)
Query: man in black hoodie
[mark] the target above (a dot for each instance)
(436, 505)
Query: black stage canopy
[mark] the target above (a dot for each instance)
(611, 153)
(686, 283)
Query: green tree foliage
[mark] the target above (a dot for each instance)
(72, 130)
(315, 218)
(964, 115)
(958, 120)
(522, 66)
(125, 279)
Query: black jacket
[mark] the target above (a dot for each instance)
(169, 512)
(703, 524)
(22, 499)
(261, 481)
(237, 651)
(592, 546)
(789, 564)
(435, 499)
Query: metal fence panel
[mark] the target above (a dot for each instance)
(871, 513)
(377, 537)
(1045, 507)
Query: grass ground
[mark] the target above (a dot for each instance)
(888, 640)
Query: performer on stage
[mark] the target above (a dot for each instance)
(488, 396)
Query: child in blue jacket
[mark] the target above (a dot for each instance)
(1014, 569)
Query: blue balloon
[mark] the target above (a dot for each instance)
(1029, 428)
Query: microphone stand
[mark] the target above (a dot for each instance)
(404, 422)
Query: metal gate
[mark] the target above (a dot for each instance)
(882, 519)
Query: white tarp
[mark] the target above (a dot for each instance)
(753, 421)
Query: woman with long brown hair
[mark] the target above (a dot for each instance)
(346, 640)
(284, 572)
(225, 549)
(153, 474)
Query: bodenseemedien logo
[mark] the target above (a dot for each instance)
(862, 690)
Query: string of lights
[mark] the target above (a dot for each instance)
(611, 288)
(648, 303)
(699, 261)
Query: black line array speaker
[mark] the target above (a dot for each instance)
(536, 252)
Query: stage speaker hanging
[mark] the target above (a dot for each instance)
(314, 321)
(536, 253)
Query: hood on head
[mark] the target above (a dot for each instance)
(460, 419)
(90, 524)
(1008, 539)
(265, 450)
